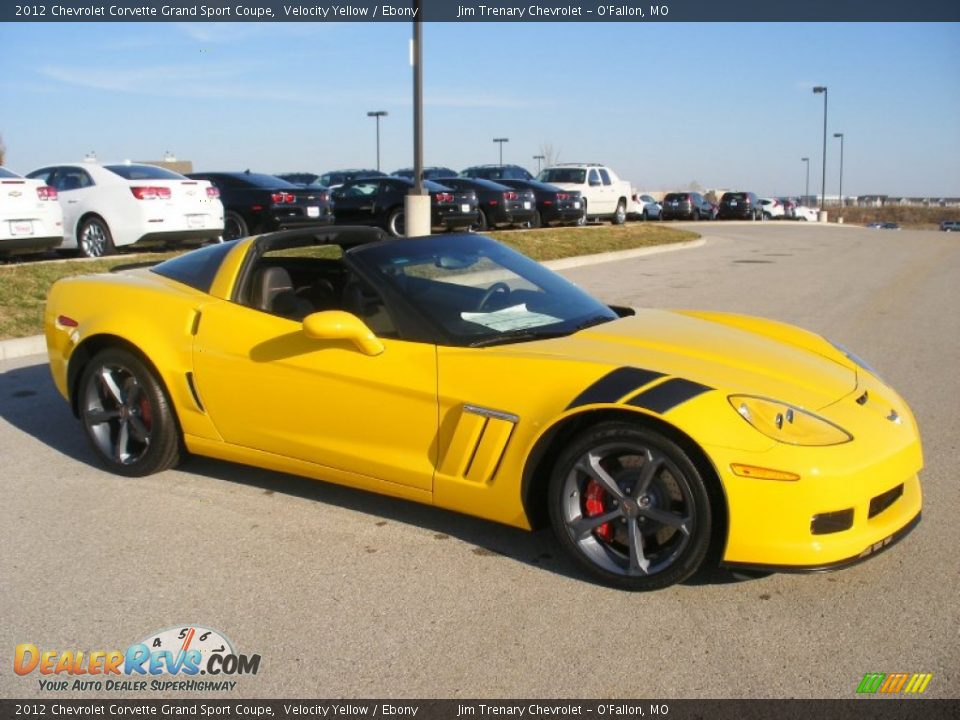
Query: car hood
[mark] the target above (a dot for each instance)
(732, 353)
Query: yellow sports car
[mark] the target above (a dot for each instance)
(454, 371)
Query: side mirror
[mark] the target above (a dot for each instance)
(340, 325)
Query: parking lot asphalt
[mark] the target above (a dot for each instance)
(346, 594)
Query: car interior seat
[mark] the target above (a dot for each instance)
(273, 292)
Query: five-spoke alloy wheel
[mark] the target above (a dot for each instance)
(127, 415)
(630, 507)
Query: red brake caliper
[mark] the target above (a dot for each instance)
(146, 412)
(595, 506)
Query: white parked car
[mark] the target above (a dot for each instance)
(112, 205)
(805, 214)
(30, 216)
(604, 194)
(644, 207)
(772, 209)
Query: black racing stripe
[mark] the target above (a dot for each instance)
(667, 395)
(614, 385)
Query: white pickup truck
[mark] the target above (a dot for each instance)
(604, 194)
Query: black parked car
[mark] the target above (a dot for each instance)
(255, 203)
(335, 178)
(740, 206)
(429, 173)
(685, 206)
(497, 172)
(499, 204)
(553, 204)
(379, 201)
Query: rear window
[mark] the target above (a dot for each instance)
(198, 268)
(734, 196)
(264, 181)
(143, 172)
(4, 173)
(675, 196)
(576, 176)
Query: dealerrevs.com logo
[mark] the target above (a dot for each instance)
(187, 658)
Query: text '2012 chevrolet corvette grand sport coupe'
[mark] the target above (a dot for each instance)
(454, 371)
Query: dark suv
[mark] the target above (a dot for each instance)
(740, 206)
(685, 206)
(497, 172)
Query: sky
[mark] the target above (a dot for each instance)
(665, 105)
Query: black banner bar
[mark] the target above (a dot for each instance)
(482, 11)
(876, 709)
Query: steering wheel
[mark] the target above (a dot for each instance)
(500, 287)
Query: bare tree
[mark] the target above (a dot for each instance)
(551, 155)
(3, 152)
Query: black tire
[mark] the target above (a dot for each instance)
(396, 224)
(536, 221)
(657, 530)
(620, 214)
(767, 216)
(94, 238)
(582, 220)
(234, 226)
(695, 215)
(481, 224)
(127, 415)
(646, 215)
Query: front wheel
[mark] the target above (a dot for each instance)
(630, 507)
(94, 238)
(620, 216)
(582, 220)
(481, 224)
(536, 221)
(127, 416)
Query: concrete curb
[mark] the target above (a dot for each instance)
(37, 344)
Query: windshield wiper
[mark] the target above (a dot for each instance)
(591, 321)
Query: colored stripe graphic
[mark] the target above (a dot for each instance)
(667, 395)
(614, 385)
(894, 683)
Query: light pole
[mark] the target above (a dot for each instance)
(501, 141)
(840, 135)
(823, 184)
(416, 205)
(538, 158)
(377, 114)
(806, 192)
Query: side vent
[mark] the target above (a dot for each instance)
(478, 444)
(193, 392)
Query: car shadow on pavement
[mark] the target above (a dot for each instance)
(30, 402)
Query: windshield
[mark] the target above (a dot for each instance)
(476, 291)
(576, 176)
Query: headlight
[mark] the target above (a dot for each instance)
(855, 359)
(786, 423)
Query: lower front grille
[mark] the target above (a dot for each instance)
(884, 500)
(826, 523)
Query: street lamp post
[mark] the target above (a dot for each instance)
(501, 141)
(823, 184)
(416, 205)
(377, 114)
(538, 158)
(840, 135)
(806, 192)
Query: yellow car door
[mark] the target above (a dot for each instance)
(268, 386)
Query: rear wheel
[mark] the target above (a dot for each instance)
(536, 221)
(620, 216)
(234, 226)
(127, 415)
(582, 220)
(481, 224)
(396, 222)
(94, 238)
(646, 215)
(767, 216)
(630, 507)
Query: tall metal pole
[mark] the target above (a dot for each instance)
(417, 100)
(840, 135)
(377, 114)
(823, 183)
(806, 192)
(501, 141)
(538, 158)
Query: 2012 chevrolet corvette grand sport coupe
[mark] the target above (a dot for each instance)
(456, 372)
